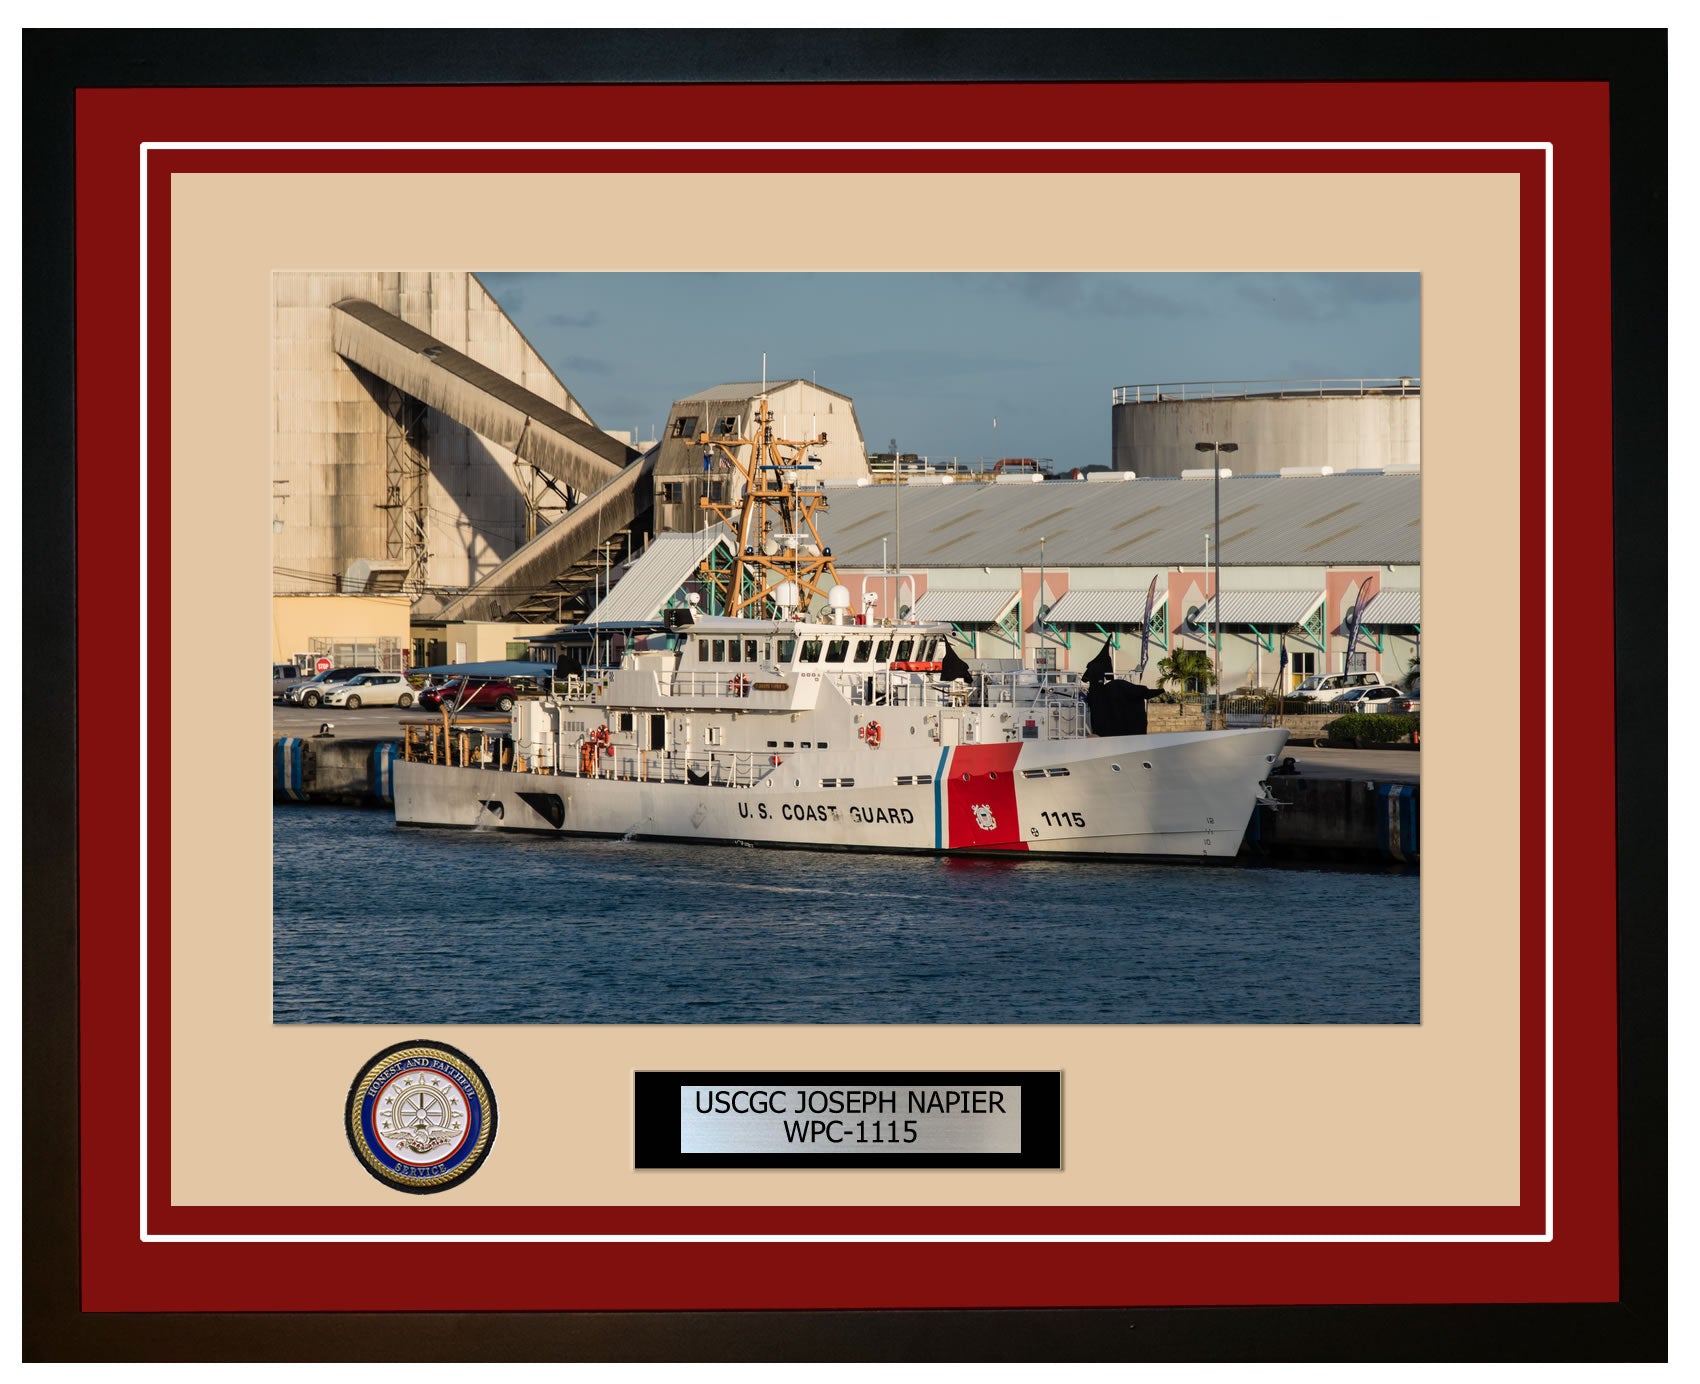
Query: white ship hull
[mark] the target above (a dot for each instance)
(1186, 795)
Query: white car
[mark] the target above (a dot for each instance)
(1366, 700)
(1325, 687)
(371, 689)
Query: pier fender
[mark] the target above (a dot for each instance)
(288, 755)
(382, 777)
(1396, 820)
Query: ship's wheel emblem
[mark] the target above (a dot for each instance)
(421, 1116)
(983, 816)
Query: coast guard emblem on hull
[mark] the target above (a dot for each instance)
(421, 1116)
(983, 817)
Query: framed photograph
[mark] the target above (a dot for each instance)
(865, 844)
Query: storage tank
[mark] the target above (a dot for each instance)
(1344, 424)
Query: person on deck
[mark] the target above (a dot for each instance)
(1118, 708)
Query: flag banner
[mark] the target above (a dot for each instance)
(1145, 629)
(1356, 622)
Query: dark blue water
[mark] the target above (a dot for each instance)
(379, 924)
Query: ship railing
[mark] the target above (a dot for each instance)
(703, 768)
(479, 744)
(727, 684)
(1185, 391)
(1025, 687)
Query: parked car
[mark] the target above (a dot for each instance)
(284, 677)
(1324, 687)
(1366, 700)
(1410, 704)
(371, 689)
(312, 692)
(496, 693)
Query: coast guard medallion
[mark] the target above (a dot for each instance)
(421, 1117)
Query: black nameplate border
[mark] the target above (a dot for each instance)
(658, 1122)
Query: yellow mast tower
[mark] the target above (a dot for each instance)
(773, 522)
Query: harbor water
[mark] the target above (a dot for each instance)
(379, 924)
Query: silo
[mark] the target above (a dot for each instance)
(1343, 424)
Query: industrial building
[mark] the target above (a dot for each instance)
(1045, 573)
(435, 480)
(802, 411)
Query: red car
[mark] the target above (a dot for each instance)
(499, 695)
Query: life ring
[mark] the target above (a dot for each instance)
(739, 686)
(872, 734)
(775, 759)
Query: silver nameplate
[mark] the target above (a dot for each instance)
(795, 1119)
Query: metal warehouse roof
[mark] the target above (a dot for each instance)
(1265, 609)
(965, 607)
(1157, 522)
(1103, 607)
(1394, 608)
(655, 578)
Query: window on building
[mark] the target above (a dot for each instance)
(672, 492)
(685, 426)
(727, 426)
(1359, 662)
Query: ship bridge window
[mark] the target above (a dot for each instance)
(836, 650)
(787, 648)
(732, 651)
(702, 651)
(750, 651)
(625, 723)
(719, 650)
(882, 653)
(904, 650)
(811, 651)
(864, 647)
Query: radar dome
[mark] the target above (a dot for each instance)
(839, 598)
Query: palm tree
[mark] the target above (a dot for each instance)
(1189, 667)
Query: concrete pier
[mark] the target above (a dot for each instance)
(327, 770)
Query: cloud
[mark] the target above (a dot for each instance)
(918, 363)
(586, 365)
(1324, 297)
(1086, 295)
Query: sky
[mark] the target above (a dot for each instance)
(932, 359)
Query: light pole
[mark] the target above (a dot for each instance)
(1216, 448)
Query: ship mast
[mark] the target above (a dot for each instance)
(773, 524)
